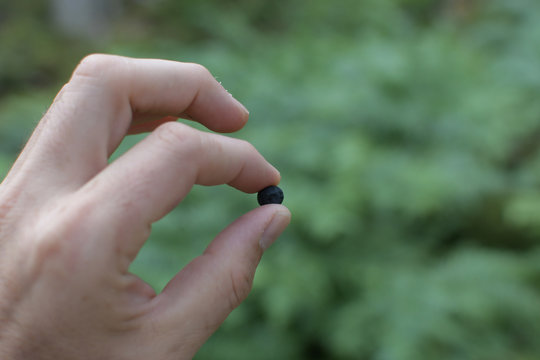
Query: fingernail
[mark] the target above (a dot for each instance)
(275, 227)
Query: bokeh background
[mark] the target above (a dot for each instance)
(407, 133)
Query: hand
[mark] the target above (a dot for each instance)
(71, 224)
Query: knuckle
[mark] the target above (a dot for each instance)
(59, 235)
(247, 146)
(49, 254)
(98, 66)
(176, 136)
(203, 75)
(48, 247)
(200, 70)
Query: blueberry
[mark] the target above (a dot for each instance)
(270, 195)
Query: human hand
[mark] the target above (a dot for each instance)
(71, 224)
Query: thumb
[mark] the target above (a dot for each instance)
(205, 292)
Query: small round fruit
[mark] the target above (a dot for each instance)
(270, 195)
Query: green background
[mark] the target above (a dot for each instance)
(407, 133)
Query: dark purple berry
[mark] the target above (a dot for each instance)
(270, 195)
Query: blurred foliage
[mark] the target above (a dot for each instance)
(407, 133)
(33, 54)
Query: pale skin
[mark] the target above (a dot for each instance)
(71, 223)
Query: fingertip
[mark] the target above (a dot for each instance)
(272, 209)
(231, 121)
(250, 228)
(280, 209)
(278, 176)
(218, 110)
(278, 223)
(274, 177)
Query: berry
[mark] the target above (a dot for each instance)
(270, 195)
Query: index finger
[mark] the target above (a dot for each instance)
(150, 179)
(95, 110)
